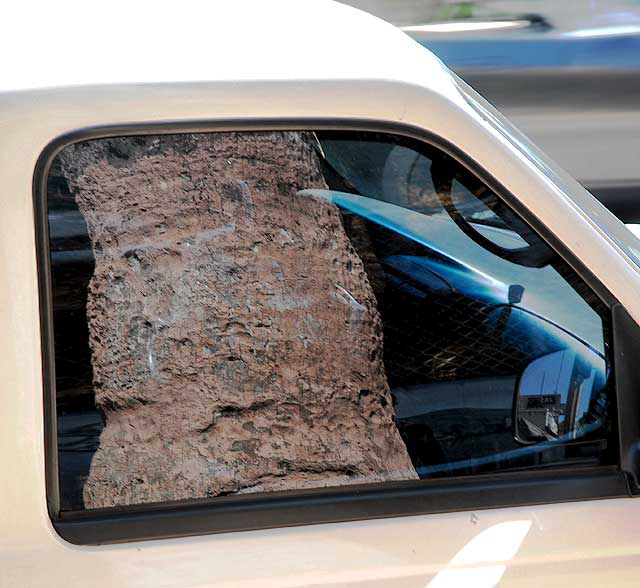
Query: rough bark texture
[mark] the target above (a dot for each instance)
(235, 341)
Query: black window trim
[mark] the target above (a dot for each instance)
(349, 503)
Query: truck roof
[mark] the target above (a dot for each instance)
(49, 45)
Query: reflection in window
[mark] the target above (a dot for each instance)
(472, 302)
(255, 312)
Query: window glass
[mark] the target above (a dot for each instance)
(263, 311)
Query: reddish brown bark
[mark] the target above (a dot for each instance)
(235, 341)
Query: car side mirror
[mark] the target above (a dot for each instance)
(557, 397)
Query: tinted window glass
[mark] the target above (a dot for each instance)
(252, 312)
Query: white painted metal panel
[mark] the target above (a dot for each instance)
(349, 66)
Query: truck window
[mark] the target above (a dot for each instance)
(251, 312)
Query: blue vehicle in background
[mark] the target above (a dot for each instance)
(566, 73)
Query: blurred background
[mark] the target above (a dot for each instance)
(566, 72)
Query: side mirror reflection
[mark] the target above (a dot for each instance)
(559, 396)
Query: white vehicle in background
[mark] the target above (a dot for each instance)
(444, 355)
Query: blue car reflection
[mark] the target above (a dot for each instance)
(461, 351)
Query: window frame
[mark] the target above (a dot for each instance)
(346, 503)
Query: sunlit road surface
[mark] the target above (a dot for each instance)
(582, 142)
